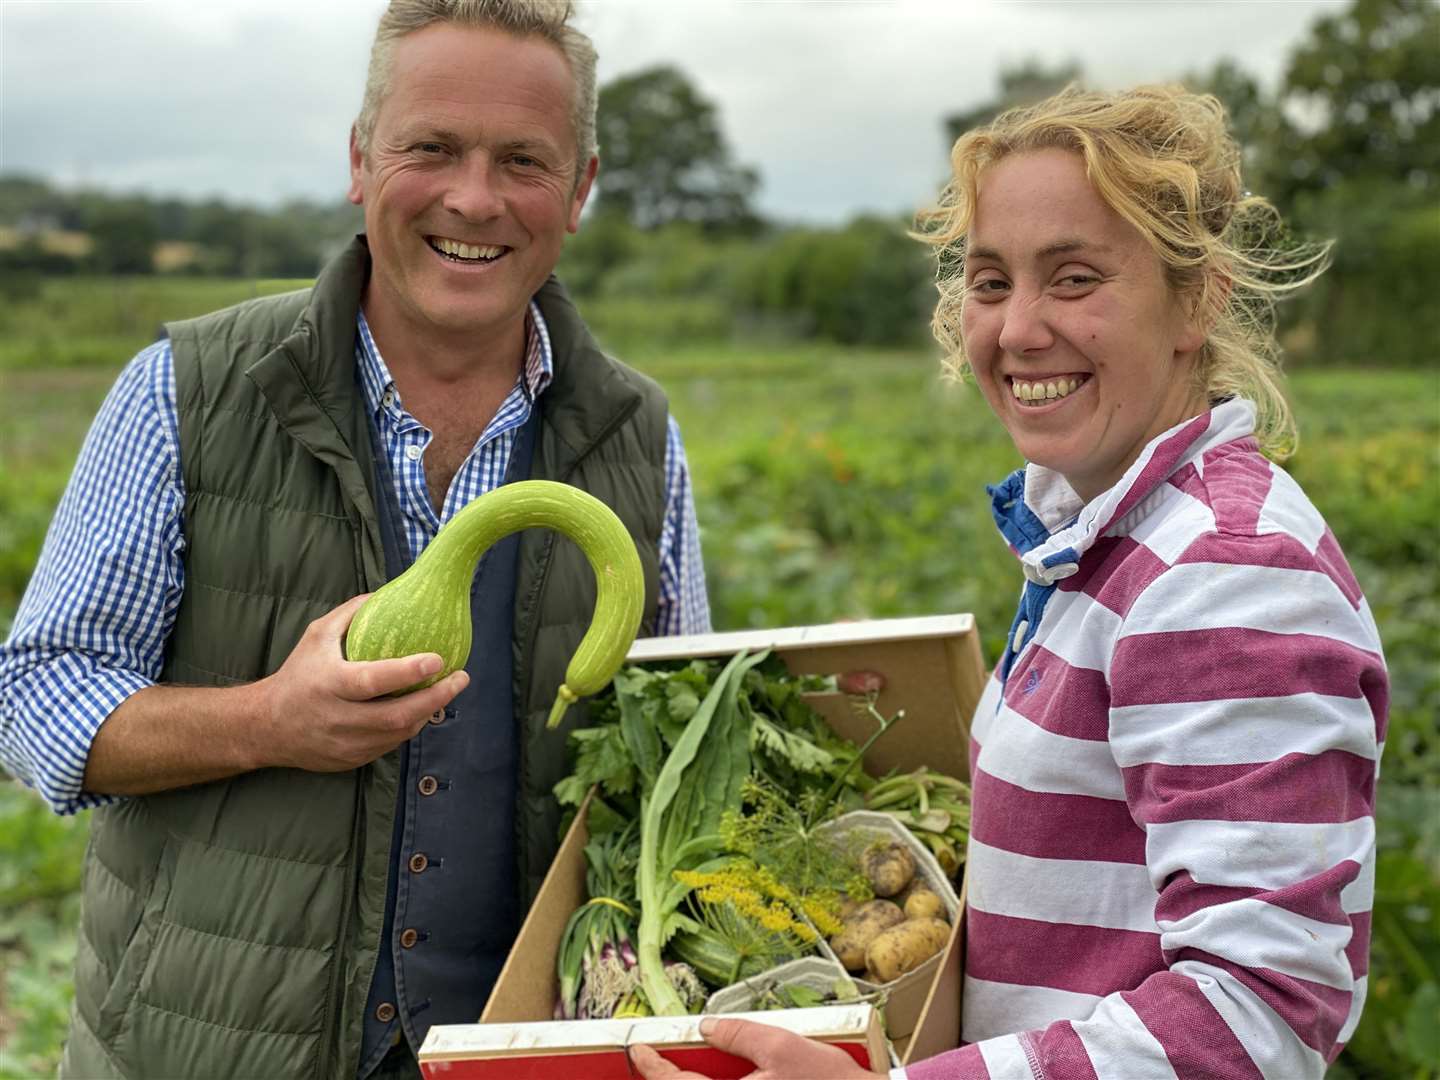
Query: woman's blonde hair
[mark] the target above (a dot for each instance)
(1164, 160)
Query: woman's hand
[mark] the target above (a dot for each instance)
(777, 1054)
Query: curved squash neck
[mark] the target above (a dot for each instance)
(468, 535)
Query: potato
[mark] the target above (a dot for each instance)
(889, 867)
(922, 903)
(905, 947)
(862, 926)
(916, 883)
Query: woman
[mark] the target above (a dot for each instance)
(1174, 764)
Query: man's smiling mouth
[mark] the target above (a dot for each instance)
(455, 251)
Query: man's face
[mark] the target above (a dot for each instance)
(469, 183)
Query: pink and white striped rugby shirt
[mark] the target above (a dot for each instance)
(1172, 856)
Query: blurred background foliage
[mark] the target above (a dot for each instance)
(1347, 145)
(837, 475)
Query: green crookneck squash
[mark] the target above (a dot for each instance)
(427, 608)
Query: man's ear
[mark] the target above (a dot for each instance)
(582, 192)
(356, 193)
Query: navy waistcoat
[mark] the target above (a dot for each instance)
(452, 906)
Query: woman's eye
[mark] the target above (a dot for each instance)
(1077, 281)
(989, 287)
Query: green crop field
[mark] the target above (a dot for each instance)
(831, 483)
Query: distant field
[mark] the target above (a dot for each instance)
(68, 322)
(831, 483)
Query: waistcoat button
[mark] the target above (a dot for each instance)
(418, 862)
(385, 1012)
(408, 938)
(438, 716)
(428, 784)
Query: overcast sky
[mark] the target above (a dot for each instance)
(837, 103)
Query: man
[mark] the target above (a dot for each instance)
(291, 874)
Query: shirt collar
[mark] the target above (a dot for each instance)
(377, 383)
(1050, 527)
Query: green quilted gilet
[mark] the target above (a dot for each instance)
(230, 929)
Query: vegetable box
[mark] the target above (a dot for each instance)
(595, 1049)
(932, 669)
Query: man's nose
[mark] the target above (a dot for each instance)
(474, 190)
(1025, 329)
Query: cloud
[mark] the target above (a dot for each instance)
(251, 102)
(838, 104)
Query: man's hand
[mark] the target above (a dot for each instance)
(318, 712)
(777, 1054)
(324, 713)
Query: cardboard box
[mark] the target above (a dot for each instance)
(933, 670)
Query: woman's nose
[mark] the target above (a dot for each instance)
(1025, 329)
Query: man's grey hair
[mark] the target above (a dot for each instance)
(547, 19)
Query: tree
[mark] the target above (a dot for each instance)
(1258, 123)
(664, 158)
(1364, 90)
(125, 234)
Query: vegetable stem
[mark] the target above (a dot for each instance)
(823, 806)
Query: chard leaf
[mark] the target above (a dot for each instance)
(712, 782)
(676, 806)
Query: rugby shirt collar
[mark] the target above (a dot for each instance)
(1048, 525)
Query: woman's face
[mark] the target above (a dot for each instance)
(1077, 342)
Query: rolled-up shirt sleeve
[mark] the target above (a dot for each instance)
(92, 626)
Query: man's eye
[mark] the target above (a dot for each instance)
(430, 147)
(524, 161)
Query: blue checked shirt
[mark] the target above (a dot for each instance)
(92, 627)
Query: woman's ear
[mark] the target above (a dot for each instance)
(1202, 308)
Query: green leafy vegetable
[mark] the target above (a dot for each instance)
(680, 818)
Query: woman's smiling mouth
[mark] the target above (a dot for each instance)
(1034, 392)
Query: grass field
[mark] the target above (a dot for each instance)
(831, 484)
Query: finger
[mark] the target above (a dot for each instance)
(650, 1065)
(429, 702)
(364, 680)
(337, 620)
(776, 1052)
(330, 628)
(743, 1038)
(387, 722)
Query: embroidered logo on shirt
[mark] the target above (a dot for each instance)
(1032, 680)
